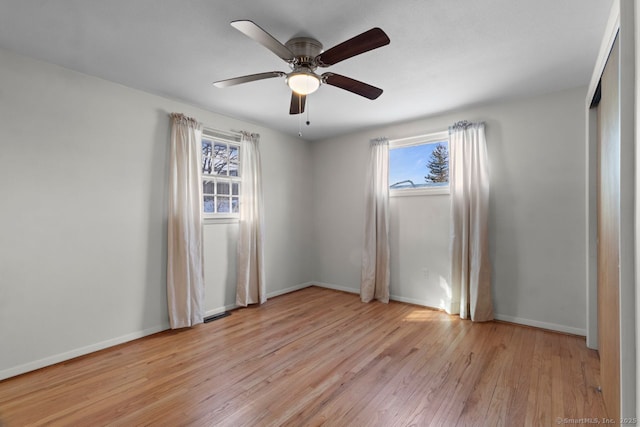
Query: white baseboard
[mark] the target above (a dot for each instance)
(527, 322)
(220, 310)
(57, 358)
(414, 301)
(290, 289)
(391, 297)
(336, 287)
(542, 325)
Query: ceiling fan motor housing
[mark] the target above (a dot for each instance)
(305, 50)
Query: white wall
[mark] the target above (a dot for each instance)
(628, 174)
(636, 22)
(536, 149)
(83, 179)
(83, 184)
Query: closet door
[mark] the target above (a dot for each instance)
(608, 212)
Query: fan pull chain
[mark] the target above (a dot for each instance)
(299, 116)
(308, 122)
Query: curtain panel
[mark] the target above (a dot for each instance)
(376, 255)
(469, 184)
(250, 286)
(185, 260)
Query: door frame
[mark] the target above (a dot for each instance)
(621, 22)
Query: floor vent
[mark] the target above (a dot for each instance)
(216, 317)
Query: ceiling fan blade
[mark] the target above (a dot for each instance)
(369, 40)
(297, 103)
(252, 30)
(250, 78)
(355, 86)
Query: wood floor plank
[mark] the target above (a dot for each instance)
(319, 357)
(488, 393)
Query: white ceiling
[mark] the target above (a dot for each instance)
(443, 54)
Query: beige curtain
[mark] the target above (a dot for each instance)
(469, 183)
(185, 262)
(375, 257)
(250, 287)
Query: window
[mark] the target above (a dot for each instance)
(220, 176)
(419, 165)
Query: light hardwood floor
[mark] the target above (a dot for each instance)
(319, 357)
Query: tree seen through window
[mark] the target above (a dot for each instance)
(421, 165)
(220, 173)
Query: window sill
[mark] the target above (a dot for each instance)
(223, 219)
(420, 192)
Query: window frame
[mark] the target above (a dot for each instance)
(229, 140)
(412, 141)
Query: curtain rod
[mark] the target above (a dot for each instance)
(232, 132)
(430, 135)
(426, 135)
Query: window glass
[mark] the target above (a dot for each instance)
(209, 204)
(220, 177)
(420, 165)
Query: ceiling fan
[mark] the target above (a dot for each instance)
(304, 55)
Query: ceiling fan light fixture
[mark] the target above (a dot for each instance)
(303, 82)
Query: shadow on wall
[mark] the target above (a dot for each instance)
(502, 186)
(230, 277)
(155, 310)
